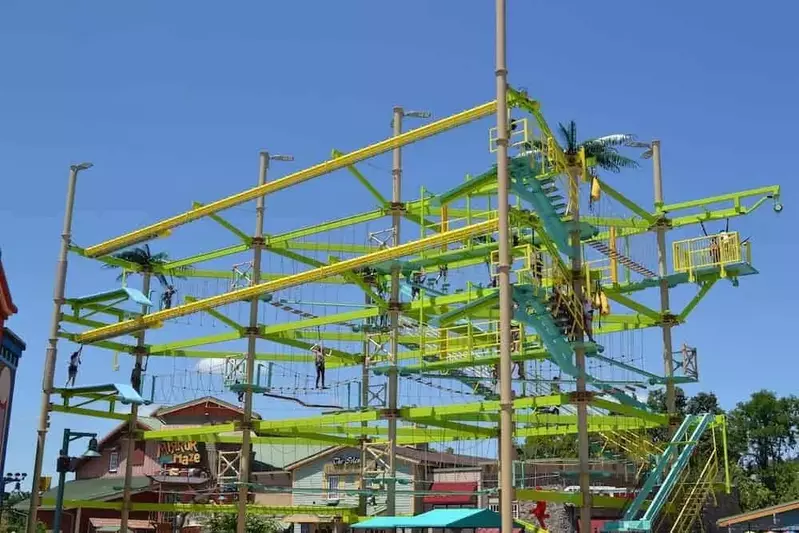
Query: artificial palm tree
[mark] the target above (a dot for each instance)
(145, 260)
(604, 150)
(149, 263)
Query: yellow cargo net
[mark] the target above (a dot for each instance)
(711, 251)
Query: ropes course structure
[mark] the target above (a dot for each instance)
(398, 315)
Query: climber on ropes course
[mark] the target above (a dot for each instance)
(166, 297)
(319, 361)
(72, 370)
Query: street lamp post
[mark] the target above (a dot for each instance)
(253, 331)
(66, 464)
(52, 342)
(397, 210)
(652, 151)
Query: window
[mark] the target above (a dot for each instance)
(113, 461)
(495, 507)
(332, 488)
(138, 453)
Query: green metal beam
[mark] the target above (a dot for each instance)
(704, 289)
(282, 338)
(207, 256)
(336, 318)
(229, 322)
(227, 225)
(616, 296)
(326, 226)
(614, 407)
(164, 349)
(770, 192)
(362, 179)
(626, 202)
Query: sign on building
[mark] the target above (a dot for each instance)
(186, 453)
(343, 465)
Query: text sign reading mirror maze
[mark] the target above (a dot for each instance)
(180, 453)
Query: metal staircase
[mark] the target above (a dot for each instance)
(533, 308)
(696, 492)
(660, 484)
(542, 193)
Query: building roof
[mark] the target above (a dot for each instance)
(751, 516)
(96, 489)
(461, 493)
(439, 458)
(285, 456)
(171, 409)
(7, 307)
(407, 454)
(147, 423)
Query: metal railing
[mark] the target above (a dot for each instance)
(718, 250)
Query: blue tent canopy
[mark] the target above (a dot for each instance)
(437, 518)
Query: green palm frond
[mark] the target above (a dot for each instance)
(614, 161)
(602, 149)
(568, 135)
(146, 260)
(615, 139)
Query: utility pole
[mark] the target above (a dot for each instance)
(136, 380)
(666, 324)
(575, 174)
(506, 491)
(52, 343)
(252, 337)
(362, 500)
(397, 208)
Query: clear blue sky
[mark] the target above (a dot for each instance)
(172, 102)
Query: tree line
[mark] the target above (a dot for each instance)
(762, 437)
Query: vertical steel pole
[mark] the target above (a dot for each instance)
(362, 500)
(252, 337)
(393, 382)
(506, 493)
(134, 415)
(668, 349)
(62, 478)
(52, 343)
(579, 351)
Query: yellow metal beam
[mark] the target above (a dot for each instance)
(159, 228)
(310, 276)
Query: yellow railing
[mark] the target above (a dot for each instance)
(604, 268)
(719, 250)
(696, 495)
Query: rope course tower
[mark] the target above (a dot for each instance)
(425, 312)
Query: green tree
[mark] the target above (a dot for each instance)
(657, 400)
(557, 446)
(764, 430)
(226, 523)
(703, 402)
(14, 519)
(763, 436)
